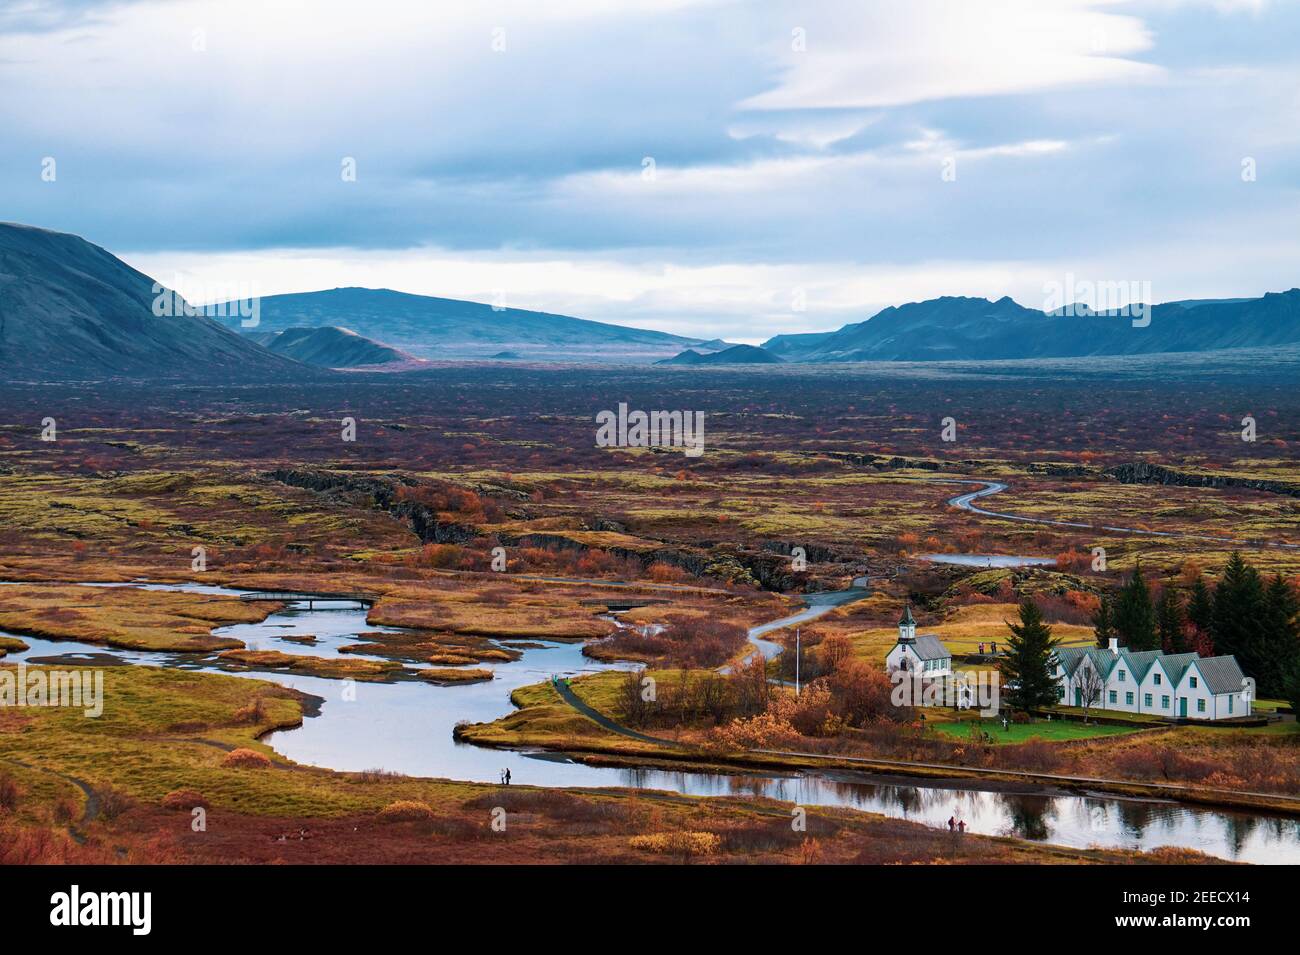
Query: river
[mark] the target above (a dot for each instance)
(406, 727)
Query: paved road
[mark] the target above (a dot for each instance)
(966, 502)
(566, 692)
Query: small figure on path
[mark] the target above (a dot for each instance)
(507, 776)
(952, 823)
(961, 826)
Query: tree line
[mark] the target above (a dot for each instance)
(1246, 615)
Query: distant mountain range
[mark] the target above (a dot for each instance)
(974, 329)
(446, 328)
(69, 310)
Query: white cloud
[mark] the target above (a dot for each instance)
(885, 54)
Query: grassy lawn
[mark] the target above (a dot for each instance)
(1020, 732)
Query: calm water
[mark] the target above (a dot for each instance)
(988, 560)
(407, 727)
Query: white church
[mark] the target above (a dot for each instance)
(925, 655)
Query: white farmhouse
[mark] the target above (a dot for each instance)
(924, 655)
(1176, 685)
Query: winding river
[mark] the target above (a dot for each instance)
(406, 727)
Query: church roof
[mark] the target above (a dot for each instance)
(907, 620)
(930, 647)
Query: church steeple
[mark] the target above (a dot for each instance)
(907, 626)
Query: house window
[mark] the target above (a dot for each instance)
(1121, 676)
(1157, 679)
(1060, 692)
(1128, 699)
(1164, 702)
(1146, 699)
(1230, 699)
(1112, 696)
(1200, 706)
(1193, 683)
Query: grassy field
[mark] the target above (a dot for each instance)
(1055, 730)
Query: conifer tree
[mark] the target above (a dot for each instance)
(1030, 663)
(1102, 621)
(1134, 617)
(1237, 623)
(1200, 607)
(1280, 637)
(1170, 621)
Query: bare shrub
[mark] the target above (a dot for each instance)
(112, 803)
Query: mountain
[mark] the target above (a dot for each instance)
(445, 328)
(70, 310)
(974, 329)
(735, 355)
(330, 347)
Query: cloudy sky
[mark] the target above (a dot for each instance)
(700, 166)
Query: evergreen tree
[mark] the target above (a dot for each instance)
(1280, 637)
(1030, 663)
(1134, 616)
(1291, 688)
(1170, 621)
(1102, 622)
(1200, 607)
(1238, 625)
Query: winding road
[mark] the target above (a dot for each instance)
(966, 502)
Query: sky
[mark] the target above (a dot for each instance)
(704, 167)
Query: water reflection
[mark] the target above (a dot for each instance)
(407, 727)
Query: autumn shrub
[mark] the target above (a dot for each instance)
(683, 641)
(184, 799)
(764, 731)
(9, 792)
(684, 844)
(1034, 755)
(247, 759)
(406, 810)
(861, 694)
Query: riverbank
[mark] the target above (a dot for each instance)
(541, 721)
(130, 791)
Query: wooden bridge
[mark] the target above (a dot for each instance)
(616, 605)
(310, 599)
